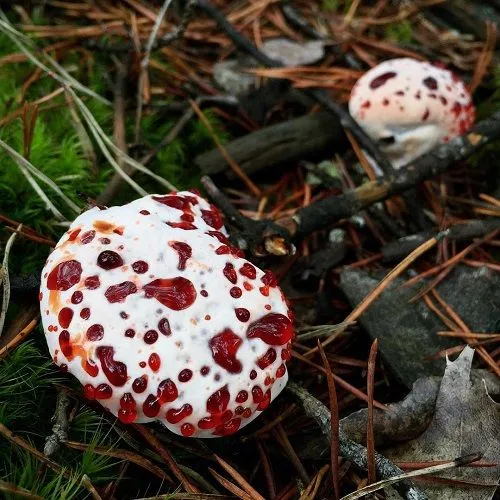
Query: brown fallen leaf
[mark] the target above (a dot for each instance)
(466, 421)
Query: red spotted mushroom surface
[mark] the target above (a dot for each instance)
(410, 106)
(160, 318)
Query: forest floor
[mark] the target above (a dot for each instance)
(386, 278)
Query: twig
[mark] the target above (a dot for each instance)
(5, 279)
(12, 489)
(318, 95)
(60, 428)
(261, 237)
(323, 213)
(350, 450)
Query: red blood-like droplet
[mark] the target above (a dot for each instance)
(127, 416)
(127, 402)
(74, 234)
(242, 396)
(178, 202)
(64, 275)
(248, 271)
(65, 316)
(273, 329)
(151, 406)
(142, 364)
(65, 344)
(257, 394)
(212, 217)
(267, 359)
(223, 250)
(174, 416)
(109, 260)
(280, 371)
(187, 226)
(91, 368)
(218, 401)
(105, 241)
(89, 392)
(381, 79)
(224, 347)
(204, 293)
(247, 413)
(235, 292)
(85, 313)
(103, 391)
(139, 384)
(77, 297)
(167, 391)
(87, 237)
(266, 400)
(286, 354)
(253, 375)
(95, 332)
(144, 212)
(228, 428)
(115, 371)
(118, 293)
(140, 267)
(205, 370)
(130, 333)
(150, 337)
(154, 362)
(217, 234)
(92, 282)
(242, 314)
(184, 251)
(175, 293)
(187, 430)
(187, 217)
(164, 327)
(185, 375)
(230, 273)
(430, 83)
(269, 279)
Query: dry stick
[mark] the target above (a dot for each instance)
(318, 95)
(323, 213)
(166, 456)
(350, 450)
(334, 423)
(370, 437)
(4, 278)
(60, 428)
(19, 337)
(236, 168)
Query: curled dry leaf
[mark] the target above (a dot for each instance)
(466, 421)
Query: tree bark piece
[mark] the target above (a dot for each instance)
(298, 139)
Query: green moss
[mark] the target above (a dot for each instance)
(401, 32)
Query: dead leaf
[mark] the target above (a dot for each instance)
(466, 421)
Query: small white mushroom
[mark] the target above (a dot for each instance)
(160, 318)
(408, 107)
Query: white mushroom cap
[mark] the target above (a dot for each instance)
(160, 318)
(410, 106)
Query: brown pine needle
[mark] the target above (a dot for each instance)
(230, 486)
(236, 168)
(370, 438)
(334, 423)
(239, 479)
